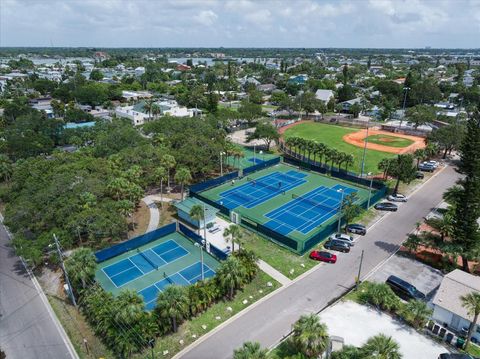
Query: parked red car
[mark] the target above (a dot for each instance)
(323, 256)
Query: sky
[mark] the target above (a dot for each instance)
(241, 23)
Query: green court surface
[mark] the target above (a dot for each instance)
(332, 136)
(265, 197)
(249, 158)
(391, 141)
(171, 259)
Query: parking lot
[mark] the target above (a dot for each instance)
(422, 276)
(356, 323)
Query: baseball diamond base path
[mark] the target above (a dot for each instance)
(358, 139)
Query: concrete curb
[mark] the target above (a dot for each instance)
(43, 297)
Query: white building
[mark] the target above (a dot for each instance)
(448, 309)
(137, 118)
(139, 71)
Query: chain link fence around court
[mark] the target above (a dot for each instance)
(305, 164)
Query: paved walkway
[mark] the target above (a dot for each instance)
(272, 272)
(154, 212)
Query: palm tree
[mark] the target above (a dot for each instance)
(381, 347)
(310, 336)
(230, 276)
(129, 306)
(168, 161)
(183, 177)
(452, 194)
(234, 232)
(383, 165)
(148, 106)
(471, 302)
(320, 150)
(419, 155)
(333, 156)
(196, 213)
(349, 161)
(173, 304)
(417, 312)
(160, 174)
(156, 110)
(250, 350)
(81, 265)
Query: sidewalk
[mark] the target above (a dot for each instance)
(272, 272)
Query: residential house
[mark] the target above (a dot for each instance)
(139, 71)
(346, 105)
(267, 88)
(298, 80)
(182, 67)
(324, 95)
(448, 309)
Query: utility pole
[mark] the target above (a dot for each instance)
(340, 210)
(60, 256)
(365, 149)
(204, 223)
(357, 282)
(404, 103)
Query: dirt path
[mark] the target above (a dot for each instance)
(357, 139)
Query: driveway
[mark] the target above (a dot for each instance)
(427, 279)
(269, 320)
(356, 323)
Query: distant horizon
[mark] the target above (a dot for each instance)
(239, 47)
(362, 24)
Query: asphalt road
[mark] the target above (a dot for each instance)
(269, 321)
(27, 330)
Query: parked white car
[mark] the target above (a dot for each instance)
(397, 198)
(344, 238)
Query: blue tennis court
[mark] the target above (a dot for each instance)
(143, 262)
(187, 276)
(259, 190)
(307, 212)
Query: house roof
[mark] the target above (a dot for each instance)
(454, 285)
(324, 95)
(187, 204)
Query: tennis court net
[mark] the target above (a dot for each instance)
(265, 185)
(315, 203)
(147, 259)
(167, 278)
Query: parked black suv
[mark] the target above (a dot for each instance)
(404, 289)
(337, 245)
(356, 228)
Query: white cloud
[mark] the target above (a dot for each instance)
(299, 23)
(206, 17)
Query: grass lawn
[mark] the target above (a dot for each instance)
(278, 257)
(77, 329)
(474, 350)
(192, 330)
(392, 141)
(331, 136)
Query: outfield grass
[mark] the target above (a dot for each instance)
(252, 292)
(331, 136)
(392, 141)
